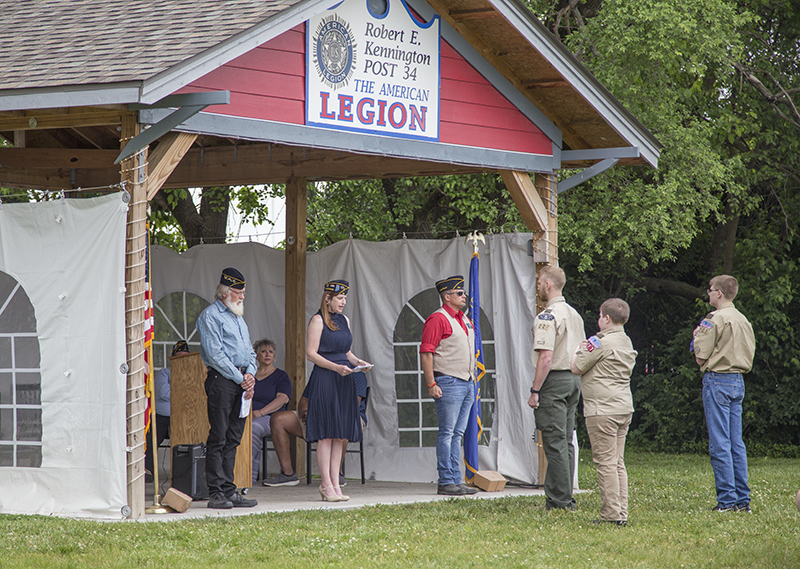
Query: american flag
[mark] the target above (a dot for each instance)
(149, 325)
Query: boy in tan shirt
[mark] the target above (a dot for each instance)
(605, 363)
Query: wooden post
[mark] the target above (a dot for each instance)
(546, 188)
(134, 174)
(295, 325)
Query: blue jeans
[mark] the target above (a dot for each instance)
(452, 409)
(722, 402)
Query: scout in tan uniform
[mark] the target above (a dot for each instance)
(724, 346)
(605, 363)
(557, 332)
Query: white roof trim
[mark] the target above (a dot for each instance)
(70, 96)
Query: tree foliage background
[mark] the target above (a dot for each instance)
(718, 83)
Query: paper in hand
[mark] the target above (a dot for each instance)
(245, 411)
(366, 367)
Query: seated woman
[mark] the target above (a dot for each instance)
(272, 392)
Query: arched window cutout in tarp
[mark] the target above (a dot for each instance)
(20, 379)
(416, 411)
(176, 314)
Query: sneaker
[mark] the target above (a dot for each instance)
(342, 480)
(742, 508)
(238, 501)
(220, 502)
(468, 490)
(721, 508)
(282, 480)
(618, 523)
(450, 490)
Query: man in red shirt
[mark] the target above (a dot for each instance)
(447, 355)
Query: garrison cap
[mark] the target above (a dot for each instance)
(455, 282)
(337, 286)
(180, 346)
(232, 278)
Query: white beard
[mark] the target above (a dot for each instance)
(236, 307)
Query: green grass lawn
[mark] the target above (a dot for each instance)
(671, 525)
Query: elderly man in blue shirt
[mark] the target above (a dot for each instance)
(226, 349)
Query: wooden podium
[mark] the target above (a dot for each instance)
(189, 416)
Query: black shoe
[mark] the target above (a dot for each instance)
(450, 490)
(618, 523)
(238, 501)
(468, 490)
(220, 502)
(721, 508)
(742, 508)
(148, 476)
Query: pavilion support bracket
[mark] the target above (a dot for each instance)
(189, 105)
(608, 157)
(590, 172)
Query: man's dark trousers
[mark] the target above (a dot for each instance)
(555, 418)
(224, 405)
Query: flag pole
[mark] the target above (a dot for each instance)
(156, 508)
(474, 425)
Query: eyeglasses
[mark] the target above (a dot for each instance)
(237, 292)
(709, 291)
(457, 292)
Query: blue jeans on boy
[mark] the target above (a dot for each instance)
(452, 409)
(722, 401)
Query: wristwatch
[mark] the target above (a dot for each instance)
(536, 391)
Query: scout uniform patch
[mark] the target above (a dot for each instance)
(593, 344)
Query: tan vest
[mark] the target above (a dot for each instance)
(725, 339)
(455, 355)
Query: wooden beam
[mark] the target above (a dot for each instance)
(217, 166)
(295, 322)
(67, 118)
(134, 174)
(57, 158)
(172, 147)
(529, 202)
(273, 163)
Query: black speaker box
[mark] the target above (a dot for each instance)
(189, 470)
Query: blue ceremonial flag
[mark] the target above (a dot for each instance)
(474, 426)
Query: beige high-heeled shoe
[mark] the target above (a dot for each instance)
(326, 498)
(342, 497)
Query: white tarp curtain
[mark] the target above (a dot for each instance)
(69, 257)
(383, 277)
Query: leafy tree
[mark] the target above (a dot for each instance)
(718, 84)
(179, 223)
(424, 208)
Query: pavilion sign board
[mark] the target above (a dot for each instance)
(373, 73)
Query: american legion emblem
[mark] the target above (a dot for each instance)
(334, 51)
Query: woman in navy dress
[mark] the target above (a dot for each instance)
(332, 402)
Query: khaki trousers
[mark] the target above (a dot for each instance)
(607, 435)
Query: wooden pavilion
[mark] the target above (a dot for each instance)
(181, 94)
